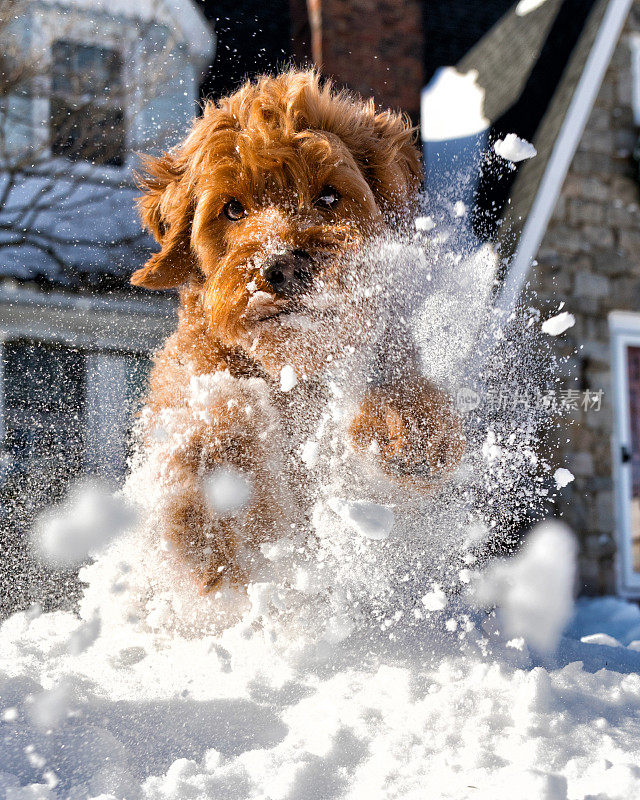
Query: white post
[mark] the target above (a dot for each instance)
(3, 423)
(107, 413)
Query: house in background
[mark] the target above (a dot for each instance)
(566, 76)
(86, 85)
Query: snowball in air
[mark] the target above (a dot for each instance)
(452, 106)
(558, 324)
(562, 477)
(525, 7)
(424, 224)
(459, 209)
(513, 148)
(435, 600)
(86, 522)
(227, 490)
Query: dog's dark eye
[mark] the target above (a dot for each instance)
(234, 210)
(328, 199)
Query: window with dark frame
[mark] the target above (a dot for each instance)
(87, 121)
(44, 397)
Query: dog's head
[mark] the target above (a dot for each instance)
(258, 209)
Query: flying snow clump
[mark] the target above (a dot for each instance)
(452, 106)
(424, 224)
(85, 523)
(227, 490)
(558, 324)
(534, 590)
(562, 477)
(513, 148)
(435, 600)
(525, 7)
(288, 378)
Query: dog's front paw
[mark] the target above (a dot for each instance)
(413, 428)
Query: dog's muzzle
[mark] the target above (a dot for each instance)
(288, 274)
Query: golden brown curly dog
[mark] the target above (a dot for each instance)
(256, 212)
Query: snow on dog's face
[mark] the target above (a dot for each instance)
(260, 208)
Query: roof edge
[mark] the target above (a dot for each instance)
(564, 150)
(199, 35)
(186, 15)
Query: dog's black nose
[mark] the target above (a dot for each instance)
(288, 274)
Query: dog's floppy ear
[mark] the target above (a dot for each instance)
(166, 210)
(392, 159)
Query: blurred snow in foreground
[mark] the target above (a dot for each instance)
(85, 523)
(534, 590)
(227, 490)
(453, 106)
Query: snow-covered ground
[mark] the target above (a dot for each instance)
(446, 709)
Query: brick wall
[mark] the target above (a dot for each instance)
(372, 46)
(590, 257)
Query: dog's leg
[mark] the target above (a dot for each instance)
(414, 429)
(225, 438)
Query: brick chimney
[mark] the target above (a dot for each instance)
(375, 47)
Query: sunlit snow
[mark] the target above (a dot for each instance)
(558, 324)
(513, 148)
